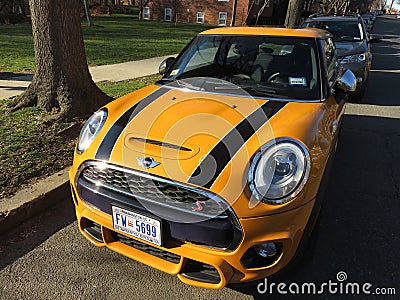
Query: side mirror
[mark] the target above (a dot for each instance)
(375, 38)
(347, 82)
(165, 65)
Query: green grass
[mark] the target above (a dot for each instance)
(120, 88)
(114, 39)
(31, 149)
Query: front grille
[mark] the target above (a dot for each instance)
(147, 188)
(171, 257)
(187, 214)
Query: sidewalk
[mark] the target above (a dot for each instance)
(116, 72)
(36, 198)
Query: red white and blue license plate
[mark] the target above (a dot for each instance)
(137, 225)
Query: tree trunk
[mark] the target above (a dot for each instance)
(294, 10)
(140, 16)
(87, 13)
(62, 81)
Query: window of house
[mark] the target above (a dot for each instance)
(222, 18)
(168, 14)
(146, 12)
(200, 17)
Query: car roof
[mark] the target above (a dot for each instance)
(333, 18)
(271, 31)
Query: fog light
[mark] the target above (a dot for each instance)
(266, 249)
(262, 255)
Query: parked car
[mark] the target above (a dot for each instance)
(368, 23)
(216, 172)
(352, 44)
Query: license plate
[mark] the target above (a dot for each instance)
(137, 225)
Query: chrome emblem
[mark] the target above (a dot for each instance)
(147, 162)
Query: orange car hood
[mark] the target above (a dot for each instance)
(185, 131)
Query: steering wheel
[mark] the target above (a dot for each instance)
(273, 76)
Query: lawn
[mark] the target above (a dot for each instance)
(114, 39)
(31, 149)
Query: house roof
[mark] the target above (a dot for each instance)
(306, 32)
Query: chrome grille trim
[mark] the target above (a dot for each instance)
(227, 217)
(216, 204)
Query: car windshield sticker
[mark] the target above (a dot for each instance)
(174, 72)
(298, 81)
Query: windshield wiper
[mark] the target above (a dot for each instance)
(264, 92)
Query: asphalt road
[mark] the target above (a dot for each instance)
(358, 231)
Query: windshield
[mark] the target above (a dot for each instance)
(280, 67)
(348, 31)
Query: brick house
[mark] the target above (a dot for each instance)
(214, 12)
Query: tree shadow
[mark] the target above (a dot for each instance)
(15, 76)
(21, 240)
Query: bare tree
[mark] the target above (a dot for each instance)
(295, 7)
(62, 81)
(261, 10)
(334, 6)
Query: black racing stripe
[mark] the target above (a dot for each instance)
(218, 158)
(111, 137)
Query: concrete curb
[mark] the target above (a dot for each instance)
(33, 200)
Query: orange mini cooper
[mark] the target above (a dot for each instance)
(215, 173)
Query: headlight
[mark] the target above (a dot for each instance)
(354, 58)
(279, 171)
(91, 129)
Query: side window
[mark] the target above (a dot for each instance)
(330, 58)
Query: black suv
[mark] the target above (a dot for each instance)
(352, 44)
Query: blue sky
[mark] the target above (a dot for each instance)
(395, 5)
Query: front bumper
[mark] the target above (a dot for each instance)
(200, 265)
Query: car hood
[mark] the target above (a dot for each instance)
(187, 132)
(205, 140)
(350, 48)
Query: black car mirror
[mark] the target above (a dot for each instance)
(347, 82)
(165, 65)
(375, 38)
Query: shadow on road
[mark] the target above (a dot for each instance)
(384, 77)
(358, 228)
(32, 233)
